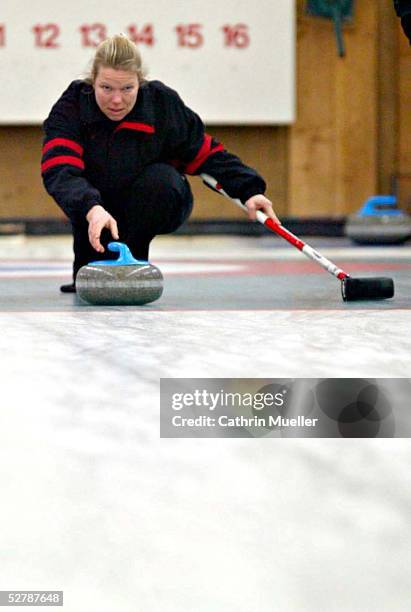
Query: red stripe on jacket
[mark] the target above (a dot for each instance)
(62, 159)
(63, 142)
(203, 154)
(138, 127)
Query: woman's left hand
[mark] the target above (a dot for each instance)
(260, 202)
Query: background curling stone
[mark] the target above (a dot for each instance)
(125, 281)
(379, 221)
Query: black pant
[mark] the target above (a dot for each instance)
(158, 202)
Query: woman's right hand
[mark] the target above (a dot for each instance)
(98, 218)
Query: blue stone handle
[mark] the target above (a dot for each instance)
(380, 205)
(125, 257)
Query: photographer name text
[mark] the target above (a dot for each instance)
(242, 421)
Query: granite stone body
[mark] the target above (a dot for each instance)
(127, 285)
(383, 229)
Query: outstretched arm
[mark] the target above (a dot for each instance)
(195, 152)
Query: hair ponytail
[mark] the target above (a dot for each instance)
(117, 52)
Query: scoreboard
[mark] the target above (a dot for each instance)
(232, 61)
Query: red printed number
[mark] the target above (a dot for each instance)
(189, 35)
(46, 35)
(93, 34)
(2, 35)
(145, 36)
(236, 36)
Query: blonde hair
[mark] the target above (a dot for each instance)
(117, 52)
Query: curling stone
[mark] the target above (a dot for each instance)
(379, 221)
(124, 281)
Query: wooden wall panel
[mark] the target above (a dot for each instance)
(404, 139)
(21, 189)
(332, 163)
(312, 152)
(388, 95)
(356, 113)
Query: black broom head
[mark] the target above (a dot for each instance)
(367, 288)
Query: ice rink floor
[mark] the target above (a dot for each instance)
(94, 503)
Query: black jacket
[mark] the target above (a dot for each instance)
(402, 7)
(87, 157)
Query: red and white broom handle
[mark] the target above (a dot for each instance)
(281, 231)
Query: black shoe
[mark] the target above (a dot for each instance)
(70, 288)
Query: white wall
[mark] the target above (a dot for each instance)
(42, 48)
